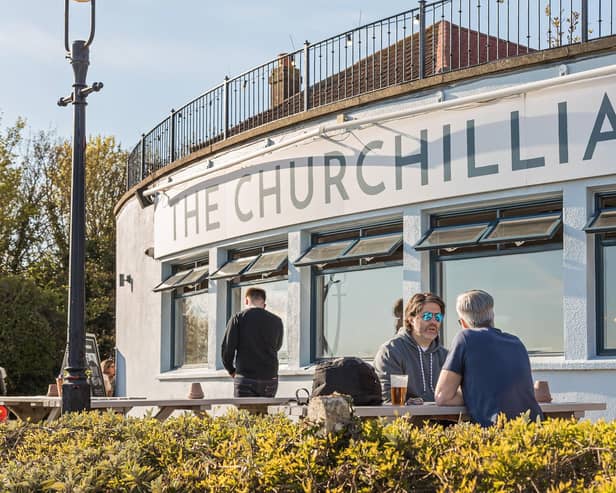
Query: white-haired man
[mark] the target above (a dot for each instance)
(486, 369)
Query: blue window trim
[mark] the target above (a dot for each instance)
(601, 242)
(600, 245)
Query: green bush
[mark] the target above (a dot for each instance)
(244, 453)
(32, 335)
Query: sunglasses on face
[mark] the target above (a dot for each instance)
(427, 316)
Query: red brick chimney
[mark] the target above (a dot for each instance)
(285, 79)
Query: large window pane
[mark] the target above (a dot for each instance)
(191, 328)
(277, 294)
(609, 297)
(527, 290)
(356, 311)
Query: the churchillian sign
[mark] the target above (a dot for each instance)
(562, 133)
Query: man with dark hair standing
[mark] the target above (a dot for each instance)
(250, 346)
(486, 369)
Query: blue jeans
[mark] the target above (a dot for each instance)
(249, 387)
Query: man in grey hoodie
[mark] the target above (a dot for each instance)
(415, 350)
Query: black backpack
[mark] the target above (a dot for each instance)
(350, 376)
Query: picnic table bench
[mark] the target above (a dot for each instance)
(429, 410)
(39, 408)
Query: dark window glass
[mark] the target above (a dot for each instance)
(354, 311)
(528, 295)
(609, 297)
(191, 329)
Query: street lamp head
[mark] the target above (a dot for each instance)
(92, 16)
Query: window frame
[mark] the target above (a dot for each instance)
(602, 240)
(436, 260)
(341, 265)
(188, 267)
(600, 244)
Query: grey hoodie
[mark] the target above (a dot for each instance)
(403, 356)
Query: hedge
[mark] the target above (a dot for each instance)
(245, 453)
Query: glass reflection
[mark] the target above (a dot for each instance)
(277, 294)
(609, 296)
(355, 315)
(191, 329)
(527, 290)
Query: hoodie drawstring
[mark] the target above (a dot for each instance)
(423, 375)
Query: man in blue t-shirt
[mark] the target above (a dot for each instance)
(486, 369)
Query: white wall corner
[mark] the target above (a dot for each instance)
(298, 315)
(416, 265)
(217, 301)
(578, 308)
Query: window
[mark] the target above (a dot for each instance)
(189, 333)
(265, 267)
(357, 275)
(603, 225)
(515, 254)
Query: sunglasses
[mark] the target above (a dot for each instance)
(429, 315)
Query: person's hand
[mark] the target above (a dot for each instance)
(232, 375)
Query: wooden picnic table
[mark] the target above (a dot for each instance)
(430, 411)
(39, 408)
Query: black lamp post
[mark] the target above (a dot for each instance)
(76, 389)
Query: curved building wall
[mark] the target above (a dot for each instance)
(516, 144)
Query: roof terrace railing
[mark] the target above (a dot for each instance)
(437, 37)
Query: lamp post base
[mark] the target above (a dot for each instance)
(76, 395)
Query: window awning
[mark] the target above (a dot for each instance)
(323, 253)
(520, 229)
(233, 268)
(183, 278)
(603, 221)
(452, 236)
(267, 263)
(374, 246)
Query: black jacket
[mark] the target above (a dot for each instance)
(251, 343)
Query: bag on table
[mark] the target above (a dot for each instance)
(350, 376)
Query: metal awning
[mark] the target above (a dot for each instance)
(452, 236)
(233, 268)
(374, 246)
(267, 263)
(521, 229)
(323, 253)
(183, 278)
(603, 221)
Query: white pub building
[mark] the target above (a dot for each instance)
(434, 150)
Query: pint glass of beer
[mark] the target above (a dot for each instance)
(398, 389)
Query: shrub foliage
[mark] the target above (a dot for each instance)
(244, 453)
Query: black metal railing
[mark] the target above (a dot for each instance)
(437, 37)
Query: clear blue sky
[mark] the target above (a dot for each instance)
(152, 55)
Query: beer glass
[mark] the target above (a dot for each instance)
(398, 389)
